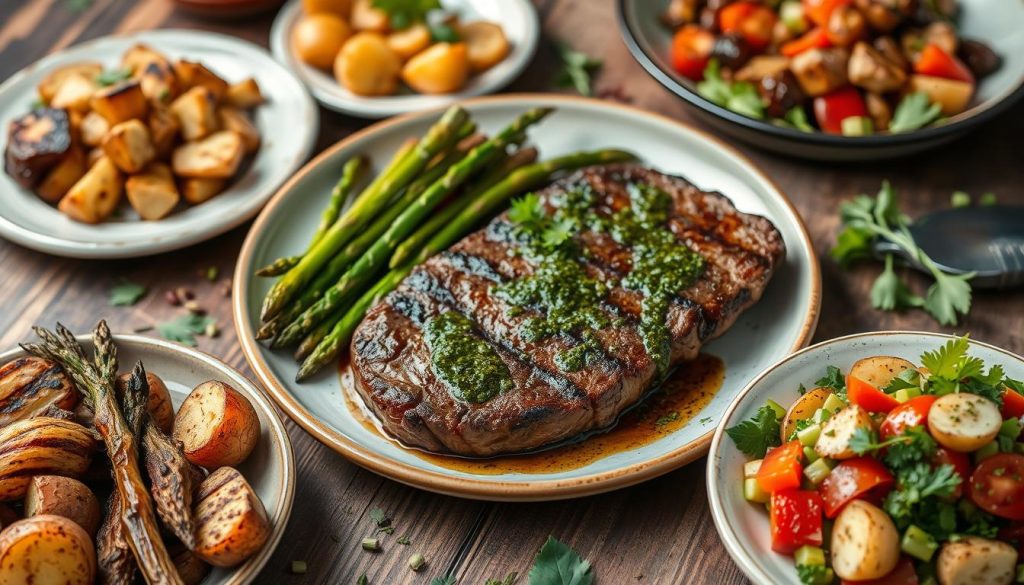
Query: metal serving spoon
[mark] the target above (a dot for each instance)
(988, 241)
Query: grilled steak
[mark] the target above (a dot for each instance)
(536, 398)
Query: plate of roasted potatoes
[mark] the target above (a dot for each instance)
(136, 144)
(127, 458)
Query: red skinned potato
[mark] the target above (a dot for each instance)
(159, 404)
(231, 522)
(46, 549)
(216, 425)
(63, 496)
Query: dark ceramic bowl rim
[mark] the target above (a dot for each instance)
(977, 115)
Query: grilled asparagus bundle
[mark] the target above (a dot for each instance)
(430, 195)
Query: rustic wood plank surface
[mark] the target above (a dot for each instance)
(657, 532)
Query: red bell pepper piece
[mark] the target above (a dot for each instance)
(781, 468)
(911, 413)
(853, 479)
(812, 39)
(858, 391)
(938, 63)
(691, 49)
(903, 574)
(819, 11)
(751, 20)
(795, 517)
(1013, 404)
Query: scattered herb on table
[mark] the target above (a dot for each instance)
(126, 293)
(866, 218)
(756, 435)
(446, 580)
(738, 96)
(383, 522)
(577, 67)
(913, 112)
(112, 76)
(404, 13)
(509, 579)
(362, 580)
(557, 564)
(185, 328)
(404, 540)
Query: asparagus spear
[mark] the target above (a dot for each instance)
(380, 192)
(357, 277)
(339, 195)
(96, 381)
(414, 243)
(114, 557)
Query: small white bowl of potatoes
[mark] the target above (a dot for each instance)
(358, 58)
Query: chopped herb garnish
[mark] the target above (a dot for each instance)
(185, 328)
(756, 435)
(557, 564)
(738, 96)
(126, 293)
(446, 580)
(812, 574)
(960, 199)
(665, 419)
(509, 579)
(577, 67)
(362, 580)
(444, 33)
(404, 13)
(913, 112)
(404, 540)
(833, 379)
(112, 76)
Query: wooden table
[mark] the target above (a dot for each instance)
(656, 532)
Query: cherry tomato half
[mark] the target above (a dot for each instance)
(853, 479)
(812, 39)
(691, 48)
(837, 106)
(961, 466)
(751, 20)
(997, 485)
(795, 520)
(1013, 404)
(938, 63)
(903, 574)
(781, 468)
(911, 413)
(818, 11)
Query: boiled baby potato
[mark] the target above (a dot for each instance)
(865, 543)
(51, 83)
(964, 422)
(95, 196)
(972, 560)
(196, 190)
(803, 408)
(159, 403)
(879, 370)
(216, 425)
(367, 66)
(215, 157)
(364, 17)
(339, 7)
(46, 549)
(152, 193)
(129, 146)
(231, 522)
(486, 44)
(317, 38)
(836, 434)
(443, 68)
(63, 496)
(409, 41)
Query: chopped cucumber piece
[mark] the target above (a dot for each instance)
(750, 468)
(857, 126)
(809, 555)
(779, 411)
(791, 13)
(1011, 428)
(905, 394)
(811, 455)
(817, 472)
(752, 491)
(918, 543)
(986, 452)
(821, 415)
(809, 436)
(833, 404)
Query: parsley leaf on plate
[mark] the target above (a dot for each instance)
(444, 33)
(404, 13)
(917, 483)
(577, 68)
(753, 437)
(904, 380)
(950, 360)
(112, 76)
(833, 379)
(557, 564)
(184, 329)
(738, 96)
(126, 293)
(913, 112)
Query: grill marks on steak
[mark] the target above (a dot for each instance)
(392, 364)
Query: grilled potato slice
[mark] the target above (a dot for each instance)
(245, 94)
(196, 191)
(196, 111)
(59, 180)
(231, 522)
(35, 143)
(41, 446)
(75, 93)
(93, 129)
(215, 157)
(129, 146)
(30, 385)
(63, 496)
(236, 121)
(94, 197)
(121, 102)
(192, 74)
(46, 549)
(152, 193)
(51, 83)
(163, 130)
(216, 425)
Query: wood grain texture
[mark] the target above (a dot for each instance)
(657, 532)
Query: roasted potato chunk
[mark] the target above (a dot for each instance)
(30, 385)
(159, 83)
(231, 522)
(61, 177)
(152, 193)
(94, 197)
(820, 71)
(63, 496)
(245, 94)
(35, 143)
(192, 74)
(129, 146)
(46, 549)
(196, 111)
(196, 191)
(93, 129)
(163, 130)
(51, 83)
(236, 121)
(75, 93)
(121, 102)
(215, 157)
(409, 41)
(869, 69)
(191, 568)
(139, 56)
(216, 425)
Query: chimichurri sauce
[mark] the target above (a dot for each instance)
(469, 365)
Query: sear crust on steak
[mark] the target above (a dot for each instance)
(392, 365)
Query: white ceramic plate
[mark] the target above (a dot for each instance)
(518, 18)
(782, 322)
(288, 123)
(270, 469)
(744, 527)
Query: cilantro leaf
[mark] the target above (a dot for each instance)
(987, 199)
(577, 68)
(753, 437)
(915, 484)
(362, 580)
(185, 328)
(890, 293)
(404, 13)
(947, 361)
(446, 580)
(833, 379)
(557, 564)
(914, 111)
(126, 293)
(852, 244)
(738, 96)
(112, 76)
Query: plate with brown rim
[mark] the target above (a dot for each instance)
(783, 320)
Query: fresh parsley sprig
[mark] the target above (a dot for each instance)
(404, 13)
(913, 112)
(531, 218)
(577, 68)
(738, 96)
(557, 564)
(866, 218)
(754, 437)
